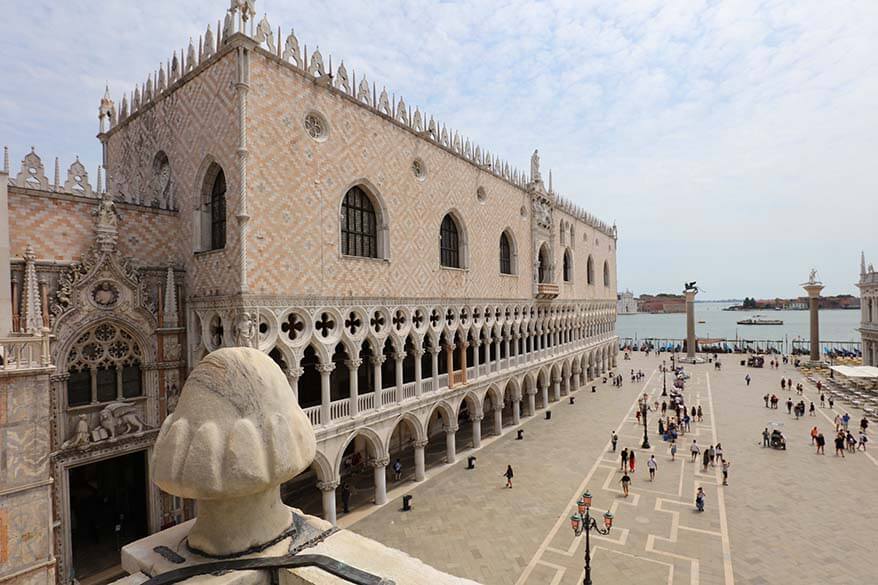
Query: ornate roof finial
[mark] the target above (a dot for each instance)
(169, 314)
(33, 313)
(535, 167)
(862, 263)
(6, 159)
(57, 181)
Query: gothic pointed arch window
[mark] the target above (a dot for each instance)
(606, 273)
(543, 270)
(451, 243)
(507, 253)
(213, 209)
(103, 366)
(589, 270)
(359, 225)
(568, 266)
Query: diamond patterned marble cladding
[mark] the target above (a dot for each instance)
(296, 186)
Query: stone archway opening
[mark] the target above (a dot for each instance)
(401, 446)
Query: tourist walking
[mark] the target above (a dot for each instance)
(821, 444)
(837, 423)
(631, 460)
(845, 420)
(508, 475)
(673, 451)
(699, 499)
(719, 451)
(811, 409)
(695, 449)
(814, 435)
(614, 439)
(625, 481)
(652, 465)
(783, 384)
(831, 402)
(839, 445)
(822, 400)
(397, 470)
(863, 440)
(624, 459)
(711, 455)
(747, 379)
(765, 398)
(765, 436)
(705, 459)
(726, 465)
(700, 414)
(790, 405)
(864, 424)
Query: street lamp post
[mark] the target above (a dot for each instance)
(581, 522)
(664, 380)
(643, 410)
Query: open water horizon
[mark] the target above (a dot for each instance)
(835, 324)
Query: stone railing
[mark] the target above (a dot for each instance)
(24, 353)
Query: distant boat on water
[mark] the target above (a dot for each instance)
(759, 320)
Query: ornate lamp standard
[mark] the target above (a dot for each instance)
(643, 408)
(664, 379)
(583, 522)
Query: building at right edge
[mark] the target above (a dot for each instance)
(869, 305)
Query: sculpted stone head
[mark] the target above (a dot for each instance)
(236, 435)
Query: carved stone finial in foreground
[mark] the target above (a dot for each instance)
(236, 435)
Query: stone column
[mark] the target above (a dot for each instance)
(497, 353)
(419, 353)
(545, 391)
(449, 359)
(450, 448)
(556, 389)
(498, 419)
(506, 345)
(463, 365)
(577, 372)
(353, 366)
(477, 366)
(531, 403)
(813, 289)
(399, 358)
(376, 361)
(690, 323)
(325, 371)
(327, 488)
(476, 421)
(420, 466)
(434, 359)
(293, 378)
(566, 389)
(516, 412)
(379, 467)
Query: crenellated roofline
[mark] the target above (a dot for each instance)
(239, 29)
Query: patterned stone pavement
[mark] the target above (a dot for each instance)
(792, 516)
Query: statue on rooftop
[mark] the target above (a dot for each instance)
(535, 167)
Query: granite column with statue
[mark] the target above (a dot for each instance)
(813, 288)
(690, 323)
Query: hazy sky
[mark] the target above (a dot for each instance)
(734, 143)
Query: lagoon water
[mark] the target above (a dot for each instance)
(835, 325)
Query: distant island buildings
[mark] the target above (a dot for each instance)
(796, 304)
(626, 304)
(868, 286)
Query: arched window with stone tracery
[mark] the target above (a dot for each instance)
(213, 209)
(359, 225)
(589, 270)
(104, 366)
(449, 243)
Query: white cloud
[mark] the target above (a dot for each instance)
(732, 141)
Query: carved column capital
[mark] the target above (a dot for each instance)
(354, 364)
(419, 352)
(296, 372)
(399, 356)
(379, 462)
(451, 429)
(420, 444)
(476, 418)
(435, 350)
(377, 360)
(327, 486)
(325, 368)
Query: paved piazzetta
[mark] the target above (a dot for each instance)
(786, 516)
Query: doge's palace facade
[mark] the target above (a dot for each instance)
(410, 283)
